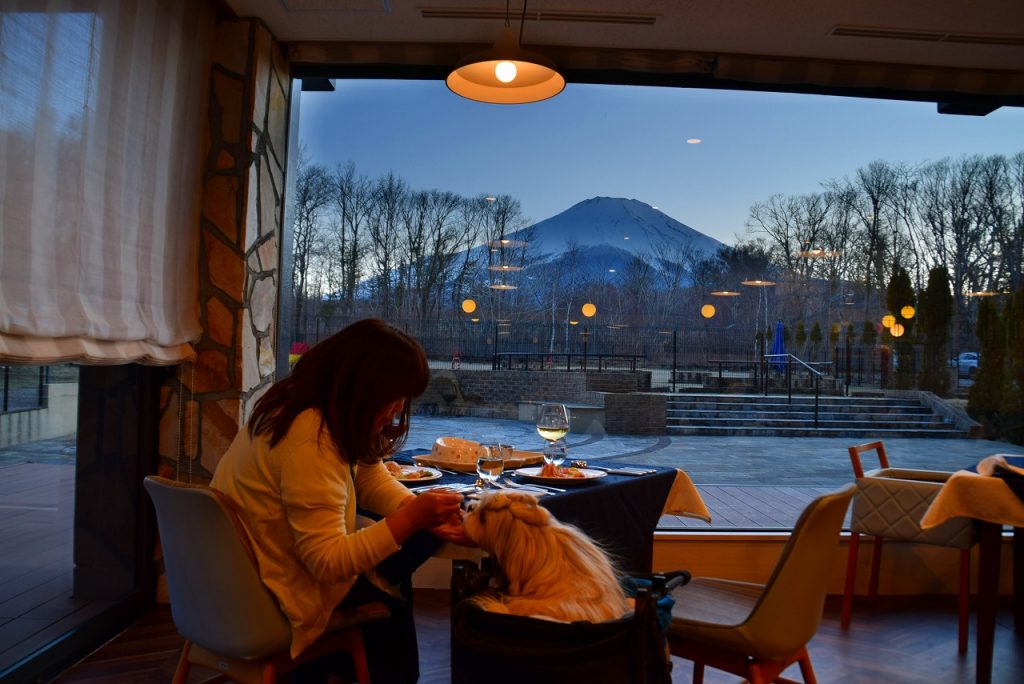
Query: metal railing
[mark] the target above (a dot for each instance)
(22, 388)
(565, 362)
(775, 360)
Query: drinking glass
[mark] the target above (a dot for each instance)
(491, 463)
(553, 425)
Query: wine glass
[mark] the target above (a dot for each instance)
(553, 425)
(491, 463)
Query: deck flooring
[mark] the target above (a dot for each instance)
(896, 641)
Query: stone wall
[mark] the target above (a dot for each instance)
(635, 414)
(497, 393)
(58, 419)
(239, 233)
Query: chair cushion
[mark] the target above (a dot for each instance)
(892, 507)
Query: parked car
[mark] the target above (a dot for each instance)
(966, 364)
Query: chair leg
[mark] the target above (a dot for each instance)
(806, 670)
(358, 651)
(876, 564)
(755, 675)
(698, 673)
(851, 579)
(182, 670)
(965, 596)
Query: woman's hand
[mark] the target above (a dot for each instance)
(427, 510)
(452, 531)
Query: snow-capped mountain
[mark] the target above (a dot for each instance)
(624, 225)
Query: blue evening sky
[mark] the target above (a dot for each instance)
(620, 141)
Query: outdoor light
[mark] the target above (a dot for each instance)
(588, 310)
(888, 320)
(468, 305)
(506, 74)
(896, 330)
(475, 320)
(907, 312)
(574, 322)
(501, 285)
(725, 293)
(707, 311)
(507, 268)
(758, 283)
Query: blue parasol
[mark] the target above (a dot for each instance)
(778, 347)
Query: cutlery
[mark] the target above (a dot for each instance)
(525, 487)
(531, 485)
(452, 487)
(622, 471)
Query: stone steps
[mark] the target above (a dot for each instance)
(773, 415)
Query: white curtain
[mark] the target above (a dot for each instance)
(101, 111)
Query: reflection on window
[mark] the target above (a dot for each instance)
(47, 76)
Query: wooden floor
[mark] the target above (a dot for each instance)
(897, 641)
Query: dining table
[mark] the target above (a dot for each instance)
(992, 504)
(619, 510)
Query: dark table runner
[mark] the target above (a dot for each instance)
(620, 512)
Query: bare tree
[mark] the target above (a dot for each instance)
(352, 205)
(312, 197)
(389, 194)
(1002, 203)
(949, 211)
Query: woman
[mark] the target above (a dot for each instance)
(309, 456)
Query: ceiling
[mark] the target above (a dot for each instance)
(966, 51)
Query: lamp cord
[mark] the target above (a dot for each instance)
(522, 21)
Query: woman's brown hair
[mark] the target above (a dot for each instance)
(349, 377)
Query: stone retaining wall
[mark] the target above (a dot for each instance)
(496, 394)
(635, 414)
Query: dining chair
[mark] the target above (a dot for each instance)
(230, 620)
(889, 504)
(758, 630)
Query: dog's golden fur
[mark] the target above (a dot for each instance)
(551, 569)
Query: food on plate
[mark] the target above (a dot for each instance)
(455, 450)
(409, 472)
(551, 470)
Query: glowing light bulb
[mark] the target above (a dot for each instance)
(505, 72)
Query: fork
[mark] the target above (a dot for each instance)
(535, 487)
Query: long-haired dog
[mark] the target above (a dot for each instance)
(550, 569)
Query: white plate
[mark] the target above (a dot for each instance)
(435, 474)
(534, 474)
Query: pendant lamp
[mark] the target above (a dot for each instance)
(506, 74)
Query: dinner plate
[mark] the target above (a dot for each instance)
(534, 474)
(408, 470)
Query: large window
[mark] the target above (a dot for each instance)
(704, 229)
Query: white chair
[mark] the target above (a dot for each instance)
(889, 504)
(230, 620)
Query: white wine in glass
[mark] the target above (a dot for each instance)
(552, 426)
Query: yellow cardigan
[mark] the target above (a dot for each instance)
(298, 502)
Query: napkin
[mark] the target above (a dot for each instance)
(684, 499)
(1012, 475)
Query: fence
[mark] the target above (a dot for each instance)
(26, 388)
(674, 355)
(22, 388)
